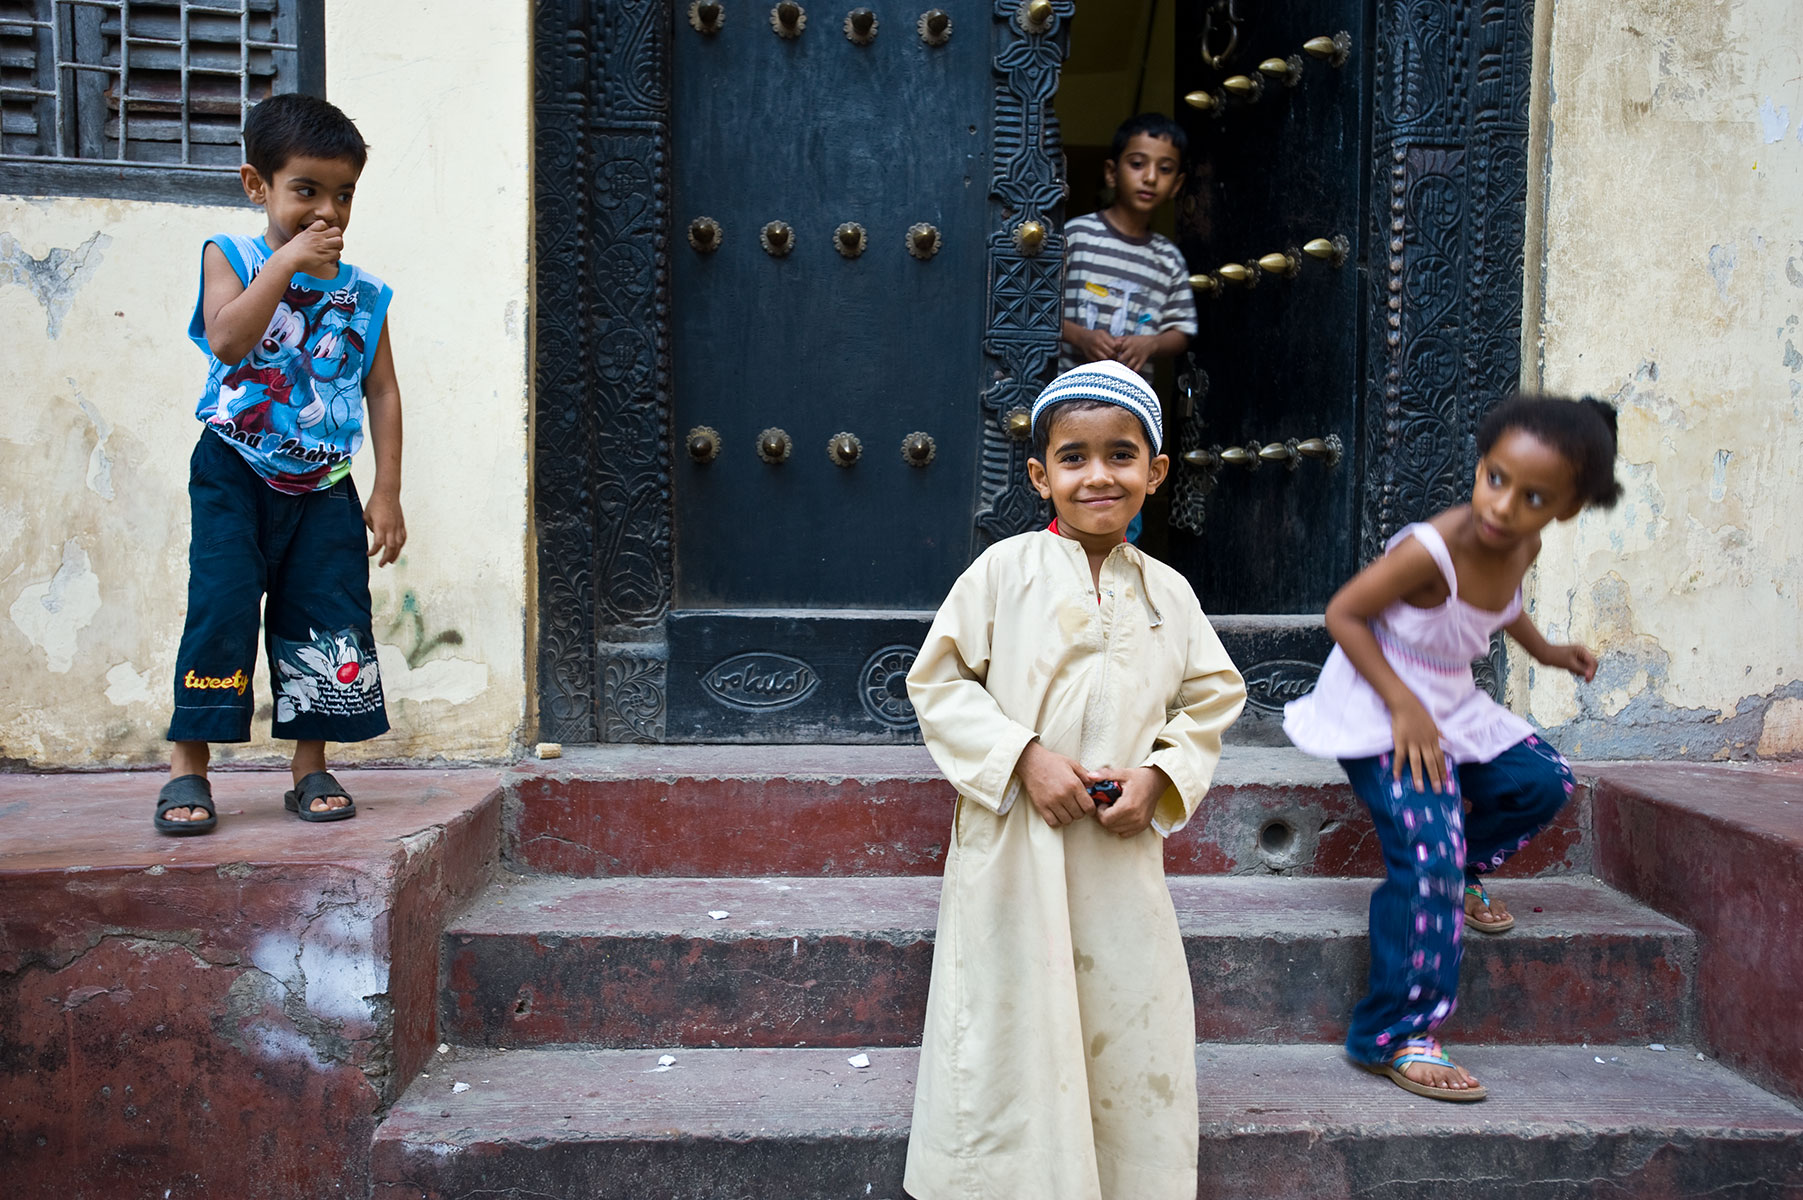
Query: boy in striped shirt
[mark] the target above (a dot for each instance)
(1126, 289)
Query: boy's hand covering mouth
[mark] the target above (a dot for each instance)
(315, 250)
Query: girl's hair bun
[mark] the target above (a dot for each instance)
(1603, 409)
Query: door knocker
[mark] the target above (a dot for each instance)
(1228, 12)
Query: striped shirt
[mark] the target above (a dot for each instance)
(1122, 284)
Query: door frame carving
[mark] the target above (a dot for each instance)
(1449, 204)
(1448, 179)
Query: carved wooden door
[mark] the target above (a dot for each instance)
(830, 294)
(729, 279)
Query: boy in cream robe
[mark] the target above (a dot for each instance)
(1058, 1061)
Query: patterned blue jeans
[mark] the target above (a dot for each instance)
(1431, 849)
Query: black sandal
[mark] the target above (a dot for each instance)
(318, 786)
(186, 791)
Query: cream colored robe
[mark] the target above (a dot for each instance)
(1058, 1061)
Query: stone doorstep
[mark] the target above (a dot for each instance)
(1721, 849)
(1294, 1120)
(845, 962)
(269, 986)
(885, 810)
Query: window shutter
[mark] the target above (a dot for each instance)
(228, 65)
(144, 97)
(27, 106)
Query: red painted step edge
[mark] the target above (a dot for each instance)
(1721, 849)
(716, 811)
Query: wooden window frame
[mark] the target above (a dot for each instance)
(76, 75)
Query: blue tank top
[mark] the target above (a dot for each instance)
(294, 406)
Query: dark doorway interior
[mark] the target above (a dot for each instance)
(1122, 62)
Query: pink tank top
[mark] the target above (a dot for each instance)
(1431, 650)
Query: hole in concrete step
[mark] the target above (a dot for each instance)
(522, 1007)
(1277, 838)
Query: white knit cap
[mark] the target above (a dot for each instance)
(1111, 383)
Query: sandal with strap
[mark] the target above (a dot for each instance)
(317, 786)
(1424, 1050)
(186, 791)
(1494, 924)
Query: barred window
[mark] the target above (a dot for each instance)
(144, 99)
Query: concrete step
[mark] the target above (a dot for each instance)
(885, 810)
(221, 1015)
(844, 962)
(1294, 1121)
(1721, 849)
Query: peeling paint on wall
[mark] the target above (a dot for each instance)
(52, 614)
(126, 685)
(1650, 727)
(456, 680)
(1722, 261)
(1774, 121)
(1718, 481)
(1781, 734)
(1689, 590)
(53, 279)
(100, 464)
(1787, 333)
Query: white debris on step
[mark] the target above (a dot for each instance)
(718, 914)
(1599, 1060)
(664, 1063)
(1699, 1058)
(444, 1047)
(460, 1087)
(859, 1060)
(1659, 1046)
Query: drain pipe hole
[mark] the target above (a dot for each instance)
(1277, 838)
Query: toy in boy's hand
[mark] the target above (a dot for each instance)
(1105, 792)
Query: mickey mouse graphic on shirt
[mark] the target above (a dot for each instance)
(294, 404)
(310, 341)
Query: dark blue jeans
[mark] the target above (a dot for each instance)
(1431, 849)
(308, 555)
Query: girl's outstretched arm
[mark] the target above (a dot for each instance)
(1405, 573)
(1572, 657)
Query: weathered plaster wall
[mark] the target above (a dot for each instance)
(100, 385)
(1671, 281)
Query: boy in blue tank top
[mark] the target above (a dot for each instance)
(299, 362)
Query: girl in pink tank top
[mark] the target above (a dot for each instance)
(1398, 706)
